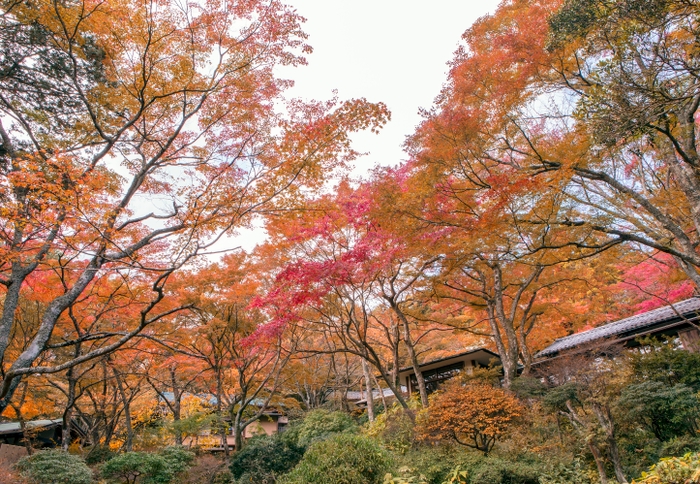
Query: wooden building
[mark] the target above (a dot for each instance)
(437, 371)
(678, 320)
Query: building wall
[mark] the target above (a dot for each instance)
(261, 426)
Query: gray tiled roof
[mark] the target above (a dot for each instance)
(623, 326)
(361, 396)
(15, 427)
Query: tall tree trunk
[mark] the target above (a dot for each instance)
(581, 426)
(509, 358)
(176, 406)
(17, 407)
(237, 430)
(65, 429)
(422, 390)
(606, 422)
(223, 428)
(381, 392)
(599, 463)
(368, 385)
(126, 402)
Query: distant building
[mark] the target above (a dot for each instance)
(43, 433)
(359, 398)
(676, 320)
(438, 371)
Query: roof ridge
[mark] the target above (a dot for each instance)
(611, 328)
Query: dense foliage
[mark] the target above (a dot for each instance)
(55, 467)
(476, 415)
(673, 470)
(343, 458)
(147, 468)
(264, 459)
(552, 187)
(319, 425)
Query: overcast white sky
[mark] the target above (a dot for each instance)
(393, 51)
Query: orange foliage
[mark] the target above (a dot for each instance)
(476, 415)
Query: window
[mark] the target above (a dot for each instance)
(433, 378)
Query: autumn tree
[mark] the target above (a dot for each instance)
(353, 274)
(476, 415)
(591, 116)
(590, 385)
(174, 376)
(105, 106)
(239, 357)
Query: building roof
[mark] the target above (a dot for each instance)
(15, 427)
(362, 396)
(446, 358)
(628, 326)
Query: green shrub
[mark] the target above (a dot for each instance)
(98, 454)
(137, 467)
(147, 468)
(528, 387)
(342, 459)
(663, 362)
(497, 471)
(178, 459)
(321, 424)
(395, 428)
(224, 477)
(573, 473)
(263, 459)
(54, 467)
(405, 476)
(679, 446)
(437, 463)
(667, 411)
(673, 470)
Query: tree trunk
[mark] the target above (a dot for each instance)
(176, 406)
(368, 385)
(577, 423)
(129, 444)
(605, 419)
(422, 390)
(237, 430)
(381, 392)
(599, 463)
(223, 431)
(68, 413)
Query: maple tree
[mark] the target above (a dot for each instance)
(361, 279)
(107, 105)
(227, 340)
(591, 116)
(475, 415)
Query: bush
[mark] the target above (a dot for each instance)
(476, 415)
(347, 459)
(573, 473)
(679, 446)
(178, 459)
(673, 470)
(395, 428)
(147, 468)
(208, 469)
(497, 471)
(667, 411)
(318, 425)
(263, 459)
(405, 476)
(98, 454)
(133, 467)
(54, 467)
